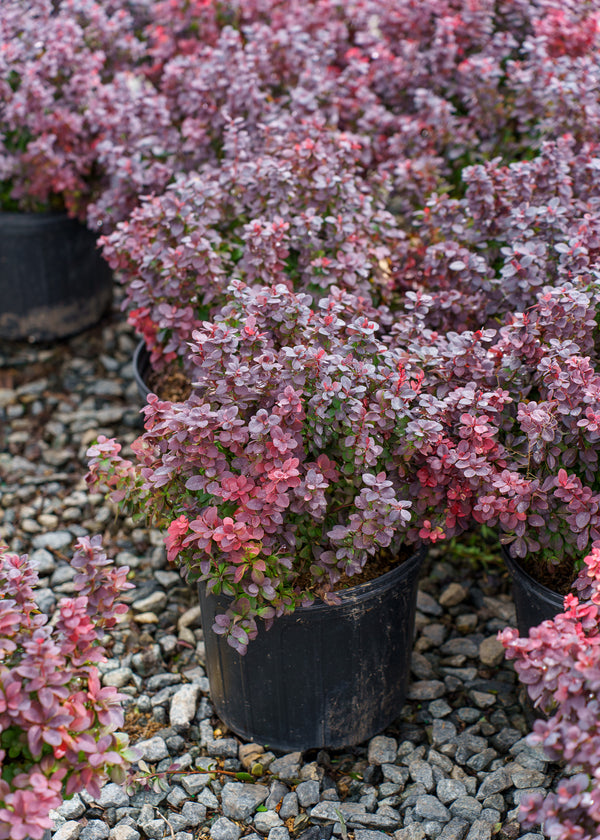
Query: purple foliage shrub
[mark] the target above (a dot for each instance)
(80, 124)
(542, 365)
(559, 663)
(279, 474)
(303, 213)
(58, 726)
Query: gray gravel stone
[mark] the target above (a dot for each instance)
(222, 747)
(307, 793)
(447, 790)
(194, 813)
(72, 808)
(183, 707)
(430, 808)
(123, 832)
(94, 830)
(466, 807)
(456, 829)
(420, 771)
(265, 821)
(496, 782)
(426, 690)
(382, 750)
(224, 829)
(53, 540)
(241, 800)
(287, 767)
(118, 678)
(480, 830)
(69, 830)
(367, 834)
(279, 833)
(194, 783)
(289, 806)
(112, 796)
(414, 831)
(153, 749)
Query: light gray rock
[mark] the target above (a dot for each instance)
(224, 829)
(183, 707)
(307, 793)
(287, 767)
(241, 800)
(123, 831)
(330, 811)
(44, 561)
(112, 796)
(266, 821)
(194, 813)
(118, 678)
(456, 829)
(420, 771)
(382, 750)
(289, 806)
(496, 782)
(69, 830)
(430, 808)
(222, 747)
(447, 790)
(480, 830)
(94, 830)
(427, 604)
(155, 829)
(153, 749)
(426, 690)
(53, 540)
(414, 831)
(279, 833)
(72, 808)
(194, 783)
(466, 807)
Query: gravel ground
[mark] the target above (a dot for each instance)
(453, 766)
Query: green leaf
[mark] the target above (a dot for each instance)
(244, 777)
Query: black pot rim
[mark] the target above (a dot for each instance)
(362, 591)
(516, 569)
(26, 219)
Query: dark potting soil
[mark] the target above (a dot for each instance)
(559, 576)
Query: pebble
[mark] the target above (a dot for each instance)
(453, 764)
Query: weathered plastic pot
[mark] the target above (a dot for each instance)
(53, 279)
(325, 676)
(534, 602)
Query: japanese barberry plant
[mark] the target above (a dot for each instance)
(59, 728)
(559, 663)
(538, 464)
(81, 127)
(281, 472)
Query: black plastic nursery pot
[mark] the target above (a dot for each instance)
(534, 602)
(325, 676)
(53, 279)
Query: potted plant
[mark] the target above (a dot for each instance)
(82, 132)
(538, 437)
(58, 726)
(559, 664)
(275, 481)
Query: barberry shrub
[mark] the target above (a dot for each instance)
(280, 474)
(58, 725)
(559, 663)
